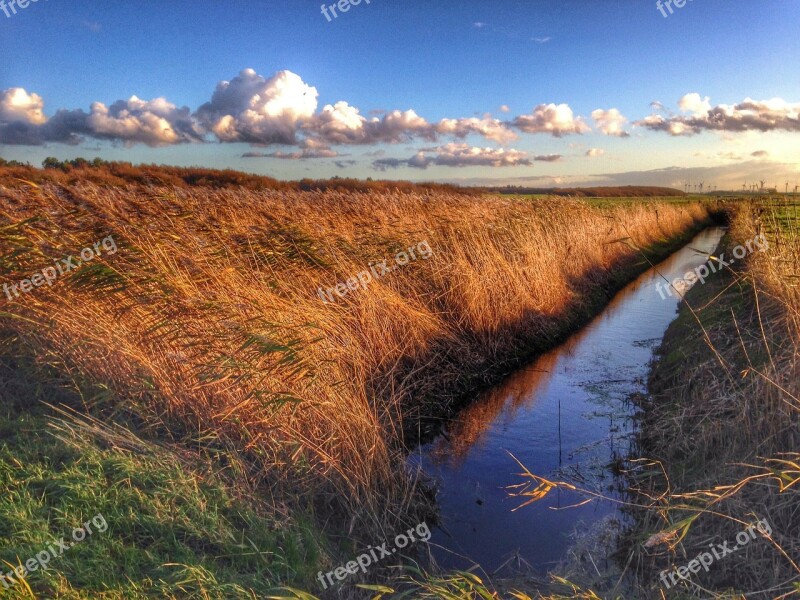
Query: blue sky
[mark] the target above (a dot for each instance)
(447, 60)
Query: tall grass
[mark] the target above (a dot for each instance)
(206, 328)
(722, 429)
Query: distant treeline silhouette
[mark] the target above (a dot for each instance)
(120, 174)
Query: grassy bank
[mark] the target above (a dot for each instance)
(720, 433)
(204, 334)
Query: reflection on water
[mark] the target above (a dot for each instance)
(566, 417)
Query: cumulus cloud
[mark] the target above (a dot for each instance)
(548, 158)
(16, 104)
(693, 103)
(504, 108)
(250, 108)
(760, 154)
(22, 119)
(610, 122)
(283, 110)
(155, 122)
(750, 115)
(595, 152)
(341, 123)
(458, 155)
(557, 120)
(492, 129)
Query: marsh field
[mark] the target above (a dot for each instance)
(396, 300)
(237, 372)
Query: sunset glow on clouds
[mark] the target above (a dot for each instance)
(302, 106)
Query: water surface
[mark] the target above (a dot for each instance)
(566, 417)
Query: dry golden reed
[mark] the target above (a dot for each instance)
(207, 323)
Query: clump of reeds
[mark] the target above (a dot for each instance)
(207, 326)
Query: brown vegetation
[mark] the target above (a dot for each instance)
(721, 431)
(207, 327)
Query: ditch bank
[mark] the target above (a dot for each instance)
(718, 425)
(456, 371)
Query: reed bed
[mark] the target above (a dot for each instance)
(206, 328)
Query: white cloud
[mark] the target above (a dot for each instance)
(693, 103)
(557, 120)
(610, 122)
(504, 108)
(397, 126)
(339, 124)
(155, 122)
(595, 152)
(460, 155)
(17, 105)
(250, 108)
(491, 129)
(343, 124)
(750, 115)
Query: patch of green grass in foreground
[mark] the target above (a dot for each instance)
(172, 533)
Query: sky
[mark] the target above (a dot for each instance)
(519, 92)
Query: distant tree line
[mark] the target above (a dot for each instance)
(120, 174)
(12, 163)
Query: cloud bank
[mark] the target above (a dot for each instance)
(750, 115)
(284, 110)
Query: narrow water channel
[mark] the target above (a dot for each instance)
(566, 417)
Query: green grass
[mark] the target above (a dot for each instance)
(175, 530)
